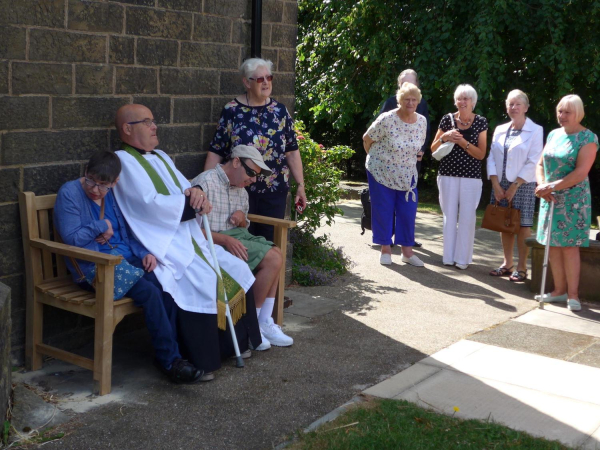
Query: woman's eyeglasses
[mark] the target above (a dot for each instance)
(93, 184)
(262, 79)
(249, 171)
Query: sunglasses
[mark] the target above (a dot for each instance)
(249, 171)
(262, 79)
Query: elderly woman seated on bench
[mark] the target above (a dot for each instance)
(86, 215)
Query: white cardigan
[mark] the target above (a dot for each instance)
(523, 154)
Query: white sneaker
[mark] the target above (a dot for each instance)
(462, 266)
(273, 333)
(413, 261)
(265, 344)
(385, 259)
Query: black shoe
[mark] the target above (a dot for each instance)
(418, 244)
(182, 372)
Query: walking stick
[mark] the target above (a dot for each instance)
(239, 362)
(546, 254)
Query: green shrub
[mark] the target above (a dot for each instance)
(321, 180)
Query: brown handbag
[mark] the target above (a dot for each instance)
(502, 219)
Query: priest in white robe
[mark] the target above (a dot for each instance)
(161, 209)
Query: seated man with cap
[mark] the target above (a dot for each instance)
(225, 187)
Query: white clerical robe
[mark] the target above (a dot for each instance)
(155, 219)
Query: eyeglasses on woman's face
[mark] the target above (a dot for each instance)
(92, 184)
(262, 79)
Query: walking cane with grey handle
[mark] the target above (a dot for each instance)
(239, 362)
(546, 254)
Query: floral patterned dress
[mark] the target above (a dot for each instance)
(268, 128)
(573, 210)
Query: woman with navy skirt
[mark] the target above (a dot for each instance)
(392, 144)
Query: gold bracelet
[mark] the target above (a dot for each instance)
(467, 147)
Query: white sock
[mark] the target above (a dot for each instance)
(267, 309)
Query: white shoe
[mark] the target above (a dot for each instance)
(265, 345)
(273, 333)
(413, 261)
(385, 259)
(461, 266)
(573, 305)
(548, 298)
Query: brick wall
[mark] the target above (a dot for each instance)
(67, 65)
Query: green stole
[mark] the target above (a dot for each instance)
(236, 297)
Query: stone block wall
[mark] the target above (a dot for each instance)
(5, 360)
(67, 65)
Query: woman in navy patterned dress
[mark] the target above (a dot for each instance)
(256, 119)
(515, 151)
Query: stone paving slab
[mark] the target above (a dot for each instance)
(556, 316)
(538, 339)
(542, 396)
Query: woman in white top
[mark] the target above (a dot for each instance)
(392, 144)
(515, 151)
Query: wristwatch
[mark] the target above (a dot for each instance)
(442, 140)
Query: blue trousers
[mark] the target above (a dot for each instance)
(392, 214)
(160, 313)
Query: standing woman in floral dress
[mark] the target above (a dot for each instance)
(255, 118)
(562, 176)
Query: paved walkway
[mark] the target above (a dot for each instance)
(376, 323)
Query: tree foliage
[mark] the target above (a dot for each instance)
(351, 52)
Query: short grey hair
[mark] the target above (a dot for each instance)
(575, 103)
(407, 72)
(251, 65)
(518, 94)
(468, 91)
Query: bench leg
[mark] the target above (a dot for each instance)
(280, 239)
(103, 330)
(34, 328)
(103, 342)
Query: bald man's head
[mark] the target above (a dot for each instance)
(136, 127)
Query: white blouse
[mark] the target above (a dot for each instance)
(392, 158)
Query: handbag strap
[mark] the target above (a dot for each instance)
(452, 120)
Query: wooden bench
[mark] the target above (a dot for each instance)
(49, 283)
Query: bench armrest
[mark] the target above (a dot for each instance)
(76, 252)
(272, 221)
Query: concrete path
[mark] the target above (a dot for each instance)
(371, 325)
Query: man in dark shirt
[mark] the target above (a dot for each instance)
(410, 76)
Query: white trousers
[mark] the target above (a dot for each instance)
(459, 198)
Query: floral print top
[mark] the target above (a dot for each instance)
(572, 215)
(392, 158)
(268, 128)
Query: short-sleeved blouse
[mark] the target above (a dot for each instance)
(458, 163)
(392, 157)
(572, 215)
(268, 128)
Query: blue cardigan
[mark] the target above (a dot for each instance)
(77, 226)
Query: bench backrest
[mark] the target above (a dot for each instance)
(37, 222)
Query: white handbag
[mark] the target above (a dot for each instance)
(446, 147)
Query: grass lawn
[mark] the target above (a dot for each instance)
(395, 424)
(434, 207)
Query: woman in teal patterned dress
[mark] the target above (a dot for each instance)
(562, 176)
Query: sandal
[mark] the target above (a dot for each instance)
(501, 271)
(519, 275)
